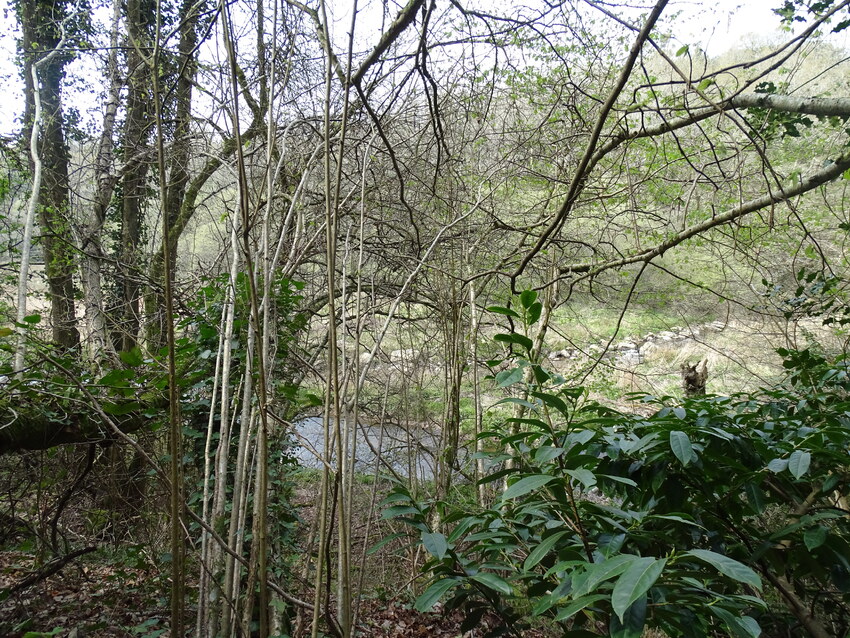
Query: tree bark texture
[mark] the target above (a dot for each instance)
(40, 26)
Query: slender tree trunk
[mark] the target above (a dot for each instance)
(175, 430)
(41, 27)
(178, 173)
(136, 135)
(99, 344)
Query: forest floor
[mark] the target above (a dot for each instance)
(92, 597)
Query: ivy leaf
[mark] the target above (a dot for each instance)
(431, 595)
(682, 448)
(435, 543)
(728, 567)
(798, 463)
(635, 582)
(526, 485)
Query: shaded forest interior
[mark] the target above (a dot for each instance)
(424, 319)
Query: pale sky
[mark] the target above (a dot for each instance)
(715, 26)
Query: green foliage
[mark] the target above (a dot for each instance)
(816, 294)
(676, 521)
(771, 124)
(799, 11)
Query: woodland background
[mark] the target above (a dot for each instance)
(494, 236)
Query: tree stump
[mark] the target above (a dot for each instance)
(694, 378)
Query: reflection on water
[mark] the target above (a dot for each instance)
(404, 452)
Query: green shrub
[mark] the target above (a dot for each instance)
(722, 516)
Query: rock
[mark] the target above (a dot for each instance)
(407, 355)
(626, 345)
(631, 358)
(648, 348)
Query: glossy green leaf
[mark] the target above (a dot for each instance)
(504, 311)
(600, 572)
(577, 605)
(585, 477)
(777, 465)
(682, 448)
(640, 575)
(540, 551)
(518, 339)
(121, 409)
(814, 537)
(398, 510)
(435, 543)
(527, 297)
(431, 595)
(494, 582)
(728, 567)
(633, 621)
(547, 453)
(509, 377)
(799, 462)
(740, 626)
(526, 485)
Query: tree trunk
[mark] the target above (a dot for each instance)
(41, 26)
(137, 127)
(178, 172)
